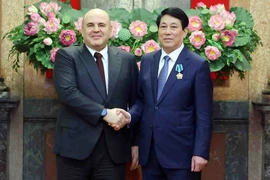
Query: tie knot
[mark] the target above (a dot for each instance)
(97, 55)
(167, 58)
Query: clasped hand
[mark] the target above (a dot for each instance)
(117, 118)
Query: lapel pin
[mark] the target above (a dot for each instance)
(179, 69)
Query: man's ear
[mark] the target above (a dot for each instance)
(185, 32)
(111, 29)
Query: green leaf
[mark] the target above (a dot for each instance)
(192, 12)
(205, 11)
(242, 63)
(241, 40)
(66, 19)
(115, 15)
(158, 11)
(153, 28)
(142, 15)
(213, 43)
(216, 65)
(242, 15)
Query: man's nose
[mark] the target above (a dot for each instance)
(96, 28)
(167, 30)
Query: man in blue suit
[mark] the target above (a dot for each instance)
(174, 105)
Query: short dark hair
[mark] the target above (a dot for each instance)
(176, 13)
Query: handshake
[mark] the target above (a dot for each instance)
(117, 118)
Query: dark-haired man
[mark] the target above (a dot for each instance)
(174, 105)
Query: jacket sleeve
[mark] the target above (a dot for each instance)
(136, 110)
(134, 84)
(65, 82)
(204, 111)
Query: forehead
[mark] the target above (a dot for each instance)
(167, 19)
(96, 17)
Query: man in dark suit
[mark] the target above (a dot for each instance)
(91, 81)
(174, 105)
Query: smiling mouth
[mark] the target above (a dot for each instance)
(96, 37)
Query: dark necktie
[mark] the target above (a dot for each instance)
(98, 57)
(163, 76)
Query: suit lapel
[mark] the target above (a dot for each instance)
(115, 63)
(182, 59)
(92, 70)
(154, 73)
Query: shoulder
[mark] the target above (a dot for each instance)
(72, 48)
(72, 51)
(195, 57)
(121, 52)
(152, 54)
(149, 58)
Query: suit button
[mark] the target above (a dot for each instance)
(156, 108)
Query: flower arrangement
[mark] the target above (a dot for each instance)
(135, 31)
(48, 26)
(224, 38)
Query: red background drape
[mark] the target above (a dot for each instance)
(208, 3)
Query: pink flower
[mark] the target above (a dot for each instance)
(138, 29)
(35, 17)
(50, 15)
(116, 26)
(195, 23)
(138, 52)
(52, 25)
(201, 4)
(216, 9)
(47, 41)
(216, 36)
(212, 53)
(31, 29)
(41, 21)
(53, 7)
(32, 9)
(216, 22)
(197, 39)
(44, 8)
(229, 18)
(125, 48)
(67, 37)
(150, 46)
(53, 53)
(78, 24)
(228, 37)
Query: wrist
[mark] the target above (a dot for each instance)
(104, 113)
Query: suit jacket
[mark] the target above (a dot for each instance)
(82, 94)
(180, 122)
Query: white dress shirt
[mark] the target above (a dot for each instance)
(173, 55)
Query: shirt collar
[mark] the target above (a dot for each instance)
(103, 52)
(173, 55)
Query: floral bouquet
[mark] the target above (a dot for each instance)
(48, 27)
(135, 31)
(224, 38)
